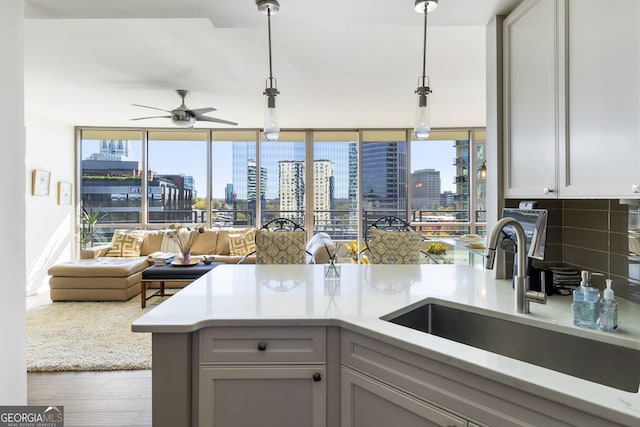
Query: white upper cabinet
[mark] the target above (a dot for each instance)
(531, 78)
(572, 99)
(603, 108)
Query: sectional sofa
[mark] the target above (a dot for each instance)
(113, 272)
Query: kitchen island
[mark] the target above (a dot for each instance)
(289, 340)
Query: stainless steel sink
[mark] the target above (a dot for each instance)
(592, 360)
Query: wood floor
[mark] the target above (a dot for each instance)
(113, 398)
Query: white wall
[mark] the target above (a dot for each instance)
(50, 232)
(13, 377)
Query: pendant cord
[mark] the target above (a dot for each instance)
(424, 49)
(269, 32)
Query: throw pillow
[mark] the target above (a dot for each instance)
(242, 243)
(281, 247)
(395, 247)
(126, 243)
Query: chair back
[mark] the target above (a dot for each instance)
(392, 240)
(281, 241)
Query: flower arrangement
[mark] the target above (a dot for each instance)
(185, 238)
(353, 250)
(437, 249)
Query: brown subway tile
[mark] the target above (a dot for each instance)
(586, 258)
(588, 239)
(619, 221)
(587, 204)
(619, 243)
(591, 219)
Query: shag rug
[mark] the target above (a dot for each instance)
(87, 336)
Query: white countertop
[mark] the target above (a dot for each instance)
(275, 295)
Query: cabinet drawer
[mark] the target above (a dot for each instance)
(262, 345)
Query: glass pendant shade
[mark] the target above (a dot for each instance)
(422, 127)
(271, 121)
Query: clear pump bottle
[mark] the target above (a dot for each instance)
(586, 303)
(608, 319)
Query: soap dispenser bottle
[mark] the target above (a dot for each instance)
(585, 303)
(608, 319)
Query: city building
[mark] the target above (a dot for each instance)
(426, 187)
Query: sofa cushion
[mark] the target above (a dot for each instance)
(242, 243)
(126, 243)
(100, 267)
(205, 243)
(222, 245)
(152, 242)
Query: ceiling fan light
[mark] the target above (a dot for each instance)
(182, 122)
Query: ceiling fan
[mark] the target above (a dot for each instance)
(184, 117)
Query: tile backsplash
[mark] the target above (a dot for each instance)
(595, 235)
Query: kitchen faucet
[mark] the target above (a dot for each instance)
(521, 281)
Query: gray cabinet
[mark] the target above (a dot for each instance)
(377, 377)
(266, 376)
(531, 104)
(602, 153)
(371, 403)
(268, 396)
(572, 99)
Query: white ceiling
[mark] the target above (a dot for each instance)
(339, 63)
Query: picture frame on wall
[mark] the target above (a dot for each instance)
(40, 182)
(64, 193)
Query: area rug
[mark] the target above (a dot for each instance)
(87, 336)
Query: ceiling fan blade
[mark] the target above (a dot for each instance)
(199, 111)
(153, 117)
(155, 108)
(202, 118)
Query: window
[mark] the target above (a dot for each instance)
(283, 177)
(335, 184)
(346, 178)
(234, 179)
(442, 183)
(110, 174)
(384, 175)
(176, 177)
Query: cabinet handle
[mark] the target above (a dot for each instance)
(635, 188)
(317, 377)
(262, 346)
(548, 190)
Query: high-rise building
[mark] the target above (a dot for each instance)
(292, 189)
(291, 184)
(228, 194)
(384, 181)
(323, 190)
(426, 187)
(252, 184)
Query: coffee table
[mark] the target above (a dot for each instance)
(170, 273)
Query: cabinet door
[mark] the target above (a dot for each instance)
(369, 403)
(531, 105)
(266, 396)
(602, 156)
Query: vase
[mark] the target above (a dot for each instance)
(186, 256)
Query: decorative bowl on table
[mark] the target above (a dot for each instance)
(208, 259)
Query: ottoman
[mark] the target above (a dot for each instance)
(99, 279)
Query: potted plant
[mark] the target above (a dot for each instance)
(89, 233)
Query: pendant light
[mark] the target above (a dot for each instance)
(422, 127)
(271, 121)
